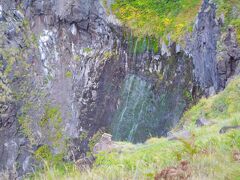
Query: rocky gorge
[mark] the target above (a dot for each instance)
(70, 69)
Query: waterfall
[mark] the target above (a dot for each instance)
(142, 113)
(125, 106)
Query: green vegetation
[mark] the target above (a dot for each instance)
(25, 121)
(50, 161)
(107, 55)
(43, 152)
(77, 58)
(96, 137)
(187, 95)
(224, 106)
(87, 50)
(231, 11)
(140, 44)
(157, 18)
(236, 24)
(51, 125)
(160, 18)
(68, 74)
(210, 154)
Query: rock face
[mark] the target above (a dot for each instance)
(204, 43)
(61, 66)
(215, 55)
(228, 56)
(67, 69)
(156, 91)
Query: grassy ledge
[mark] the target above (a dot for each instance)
(160, 18)
(210, 154)
(157, 18)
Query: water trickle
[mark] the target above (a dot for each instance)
(135, 49)
(143, 113)
(125, 106)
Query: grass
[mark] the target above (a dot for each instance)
(157, 18)
(220, 107)
(210, 154)
(160, 18)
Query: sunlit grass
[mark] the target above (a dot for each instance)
(157, 17)
(161, 18)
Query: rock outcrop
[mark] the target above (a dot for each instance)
(225, 129)
(105, 144)
(61, 66)
(215, 54)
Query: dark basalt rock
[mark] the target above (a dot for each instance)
(228, 57)
(203, 122)
(85, 164)
(225, 129)
(204, 47)
(183, 134)
(215, 54)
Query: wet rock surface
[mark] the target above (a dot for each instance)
(154, 95)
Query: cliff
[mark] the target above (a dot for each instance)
(69, 70)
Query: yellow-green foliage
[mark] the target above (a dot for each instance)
(162, 17)
(157, 17)
(105, 4)
(96, 137)
(51, 124)
(210, 154)
(68, 74)
(26, 122)
(43, 153)
(236, 24)
(107, 55)
(77, 58)
(87, 50)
